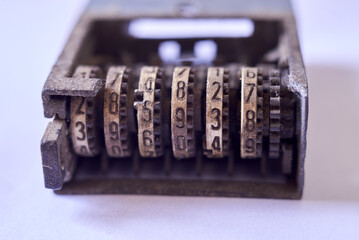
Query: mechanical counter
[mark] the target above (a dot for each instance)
(127, 120)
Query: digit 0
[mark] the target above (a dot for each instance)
(179, 113)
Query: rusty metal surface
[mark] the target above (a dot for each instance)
(58, 160)
(183, 188)
(273, 46)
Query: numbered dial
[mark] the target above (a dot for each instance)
(251, 109)
(116, 99)
(182, 119)
(148, 107)
(83, 118)
(217, 119)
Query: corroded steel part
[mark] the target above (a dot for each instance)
(274, 115)
(58, 160)
(184, 137)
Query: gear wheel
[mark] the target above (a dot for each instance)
(123, 126)
(157, 113)
(91, 124)
(274, 115)
(225, 133)
(259, 114)
(190, 114)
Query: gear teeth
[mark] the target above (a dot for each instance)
(287, 120)
(90, 124)
(190, 113)
(138, 96)
(157, 107)
(157, 113)
(158, 83)
(190, 100)
(157, 94)
(274, 114)
(124, 87)
(225, 113)
(124, 134)
(259, 139)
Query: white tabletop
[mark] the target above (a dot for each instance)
(33, 34)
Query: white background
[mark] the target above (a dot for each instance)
(32, 34)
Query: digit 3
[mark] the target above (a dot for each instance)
(148, 106)
(83, 117)
(182, 119)
(116, 97)
(217, 114)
